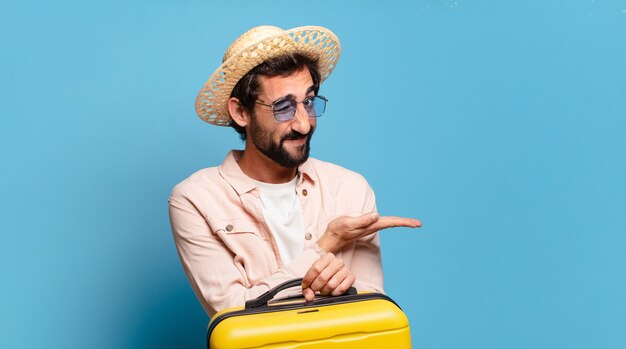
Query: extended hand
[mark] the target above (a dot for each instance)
(343, 230)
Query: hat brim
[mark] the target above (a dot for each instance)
(318, 43)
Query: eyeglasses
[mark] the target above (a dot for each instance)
(285, 109)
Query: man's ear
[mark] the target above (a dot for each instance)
(237, 112)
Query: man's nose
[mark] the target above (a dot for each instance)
(301, 122)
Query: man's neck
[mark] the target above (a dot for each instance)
(263, 169)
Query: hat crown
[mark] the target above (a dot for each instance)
(250, 37)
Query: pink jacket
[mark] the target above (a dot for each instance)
(227, 249)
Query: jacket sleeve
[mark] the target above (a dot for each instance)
(213, 271)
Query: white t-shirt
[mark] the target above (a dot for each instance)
(281, 208)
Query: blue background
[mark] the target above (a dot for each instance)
(500, 124)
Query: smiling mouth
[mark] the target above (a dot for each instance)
(297, 141)
(296, 138)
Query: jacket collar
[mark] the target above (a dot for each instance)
(232, 173)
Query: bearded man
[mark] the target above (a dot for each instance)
(270, 213)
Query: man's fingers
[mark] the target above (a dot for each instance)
(335, 281)
(392, 222)
(327, 274)
(353, 223)
(385, 223)
(373, 222)
(316, 269)
(308, 294)
(344, 286)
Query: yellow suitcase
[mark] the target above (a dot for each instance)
(363, 320)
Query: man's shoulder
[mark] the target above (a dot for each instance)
(350, 192)
(201, 180)
(328, 171)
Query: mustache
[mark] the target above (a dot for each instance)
(296, 135)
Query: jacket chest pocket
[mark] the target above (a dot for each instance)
(235, 228)
(242, 237)
(250, 249)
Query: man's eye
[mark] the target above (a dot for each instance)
(282, 106)
(308, 102)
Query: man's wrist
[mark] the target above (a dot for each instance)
(329, 243)
(319, 250)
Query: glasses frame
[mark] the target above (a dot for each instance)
(273, 105)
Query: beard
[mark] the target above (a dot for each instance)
(262, 139)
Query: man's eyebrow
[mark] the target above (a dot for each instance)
(309, 90)
(288, 96)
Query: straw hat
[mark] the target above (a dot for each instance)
(255, 46)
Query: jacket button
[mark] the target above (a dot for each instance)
(229, 227)
(308, 236)
(304, 192)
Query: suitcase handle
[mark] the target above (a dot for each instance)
(261, 301)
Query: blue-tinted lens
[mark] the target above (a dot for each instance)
(319, 106)
(284, 110)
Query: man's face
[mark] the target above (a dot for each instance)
(287, 142)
